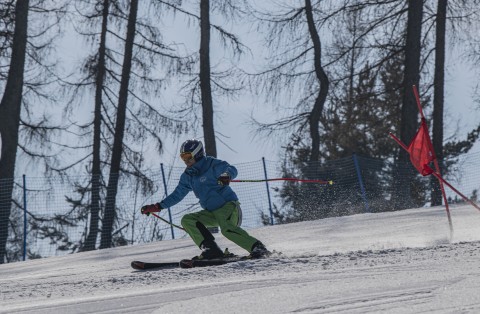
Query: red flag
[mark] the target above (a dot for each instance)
(420, 149)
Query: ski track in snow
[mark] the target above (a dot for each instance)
(411, 269)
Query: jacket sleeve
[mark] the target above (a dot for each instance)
(178, 194)
(223, 166)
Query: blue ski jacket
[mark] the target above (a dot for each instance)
(202, 179)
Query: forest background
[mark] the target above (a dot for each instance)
(111, 88)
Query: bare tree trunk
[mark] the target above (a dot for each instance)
(316, 112)
(412, 74)
(110, 208)
(207, 101)
(409, 117)
(438, 95)
(97, 121)
(10, 108)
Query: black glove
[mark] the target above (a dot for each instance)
(153, 208)
(224, 179)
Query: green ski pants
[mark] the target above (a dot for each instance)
(228, 218)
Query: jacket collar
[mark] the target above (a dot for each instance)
(198, 168)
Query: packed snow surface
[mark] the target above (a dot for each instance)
(396, 262)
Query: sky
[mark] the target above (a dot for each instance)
(395, 262)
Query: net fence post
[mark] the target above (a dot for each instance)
(166, 193)
(360, 182)
(268, 191)
(24, 217)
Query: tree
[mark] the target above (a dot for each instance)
(462, 17)
(359, 112)
(36, 129)
(143, 117)
(7, 22)
(438, 95)
(205, 77)
(10, 108)
(117, 150)
(293, 40)
(204, 81)
(95, 204)
(323, 83)
(364, 103)
(409, 113)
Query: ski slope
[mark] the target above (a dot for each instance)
(397, 262)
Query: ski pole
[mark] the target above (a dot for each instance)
(168, 222)
(330, 182)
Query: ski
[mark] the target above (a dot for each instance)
(145, 265)
(191, 263)
(187, 263)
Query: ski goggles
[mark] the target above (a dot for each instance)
(186, 156)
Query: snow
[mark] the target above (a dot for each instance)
(395, 262)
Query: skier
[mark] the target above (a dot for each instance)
(209, 179)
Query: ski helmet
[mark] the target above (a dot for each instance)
(193, 147)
